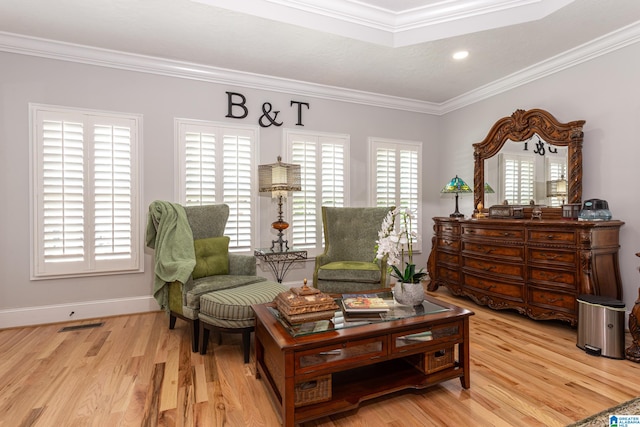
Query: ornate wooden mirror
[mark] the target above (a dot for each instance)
(521, 127)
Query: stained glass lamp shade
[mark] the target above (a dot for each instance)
(457, 186)
(488, 189)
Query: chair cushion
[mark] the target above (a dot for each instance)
(215, 283)
(350, 271)
(212, 257)
(232, 307)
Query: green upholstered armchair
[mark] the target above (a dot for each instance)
(347, 265)
(215, 269)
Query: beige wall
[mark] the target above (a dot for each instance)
(28, 79)
(602, 91)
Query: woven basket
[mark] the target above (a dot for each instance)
(313, 391)
(439, 359)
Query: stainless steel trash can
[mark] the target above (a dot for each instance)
(601, 326)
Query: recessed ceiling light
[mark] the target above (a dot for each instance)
(460, 54)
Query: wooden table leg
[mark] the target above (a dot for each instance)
(465, 379)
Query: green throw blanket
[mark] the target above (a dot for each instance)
(169, 233)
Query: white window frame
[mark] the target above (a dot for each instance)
(395, 177)
(91, 199)
(249, 187)
(327, 139)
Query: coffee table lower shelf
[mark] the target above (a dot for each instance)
(351, 388)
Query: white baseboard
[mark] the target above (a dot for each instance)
(27, 316)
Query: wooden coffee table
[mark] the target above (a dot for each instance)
(327, 367)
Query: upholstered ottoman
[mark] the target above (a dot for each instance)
(229, 310)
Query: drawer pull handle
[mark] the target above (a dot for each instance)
(552, 300)
(489, 267)
(550, 236)
(506, 234)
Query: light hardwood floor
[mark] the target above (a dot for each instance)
(134, 371)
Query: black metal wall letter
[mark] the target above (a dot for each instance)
(231, 104)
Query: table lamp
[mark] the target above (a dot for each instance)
(279, 179)
(488, 189)
(456, 185)
(557, 188)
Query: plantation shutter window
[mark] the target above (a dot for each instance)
(396, 175)
(323, 166)
(216, 164)
(517, 178)
(85, 192)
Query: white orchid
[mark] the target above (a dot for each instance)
(392, 242)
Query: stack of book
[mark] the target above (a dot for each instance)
(363, 306)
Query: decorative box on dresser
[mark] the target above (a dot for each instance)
(537, 267)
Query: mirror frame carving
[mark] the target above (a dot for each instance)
(521, 126)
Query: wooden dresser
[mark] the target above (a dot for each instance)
(537, 267)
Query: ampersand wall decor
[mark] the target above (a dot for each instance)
(266, 109)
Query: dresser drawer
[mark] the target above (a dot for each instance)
(551, 256)
(447, 258)
(556, 278)
(515, 271)
(447, 274)
(546, 298)
(512, 291)
(502, 233)
(447, 228)
(549, 236)
(514, 253)
(445, 244)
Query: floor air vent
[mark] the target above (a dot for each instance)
(78, 327)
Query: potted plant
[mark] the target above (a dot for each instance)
(395, 241)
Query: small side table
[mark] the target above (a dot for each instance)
(280, 262)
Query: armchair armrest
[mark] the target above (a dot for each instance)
(242, 265)
(321, 260)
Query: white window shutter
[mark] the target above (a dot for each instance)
(200, 168)
(518, 176)
(238, 190)
(63, 191)
(113, 192)
(216, 164)
(397, 177)
(305, 215)
(86, 213)
(324, 175)
(385, 177)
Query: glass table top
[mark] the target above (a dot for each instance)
(341, 319)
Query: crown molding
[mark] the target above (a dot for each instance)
(50, 49)
(395, 28)
(608, 43)
(24, 45)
